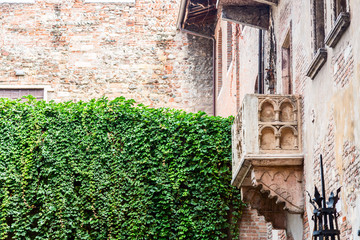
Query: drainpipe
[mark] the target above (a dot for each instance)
(261, 64)
(180, 27)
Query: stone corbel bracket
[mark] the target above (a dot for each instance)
(272, 184)
(340, 26)
(317, 63)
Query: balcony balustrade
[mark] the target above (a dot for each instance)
(267, 155)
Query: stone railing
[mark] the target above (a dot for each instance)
(267, 153)
(266, 124)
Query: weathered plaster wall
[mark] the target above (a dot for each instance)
(239, 76)
(227, 92)
(331, 103)
(249, 58)
(88, 50)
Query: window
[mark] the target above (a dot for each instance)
(15, 93)
(18, 91)
(318, 34)
(318, 24)
(340, 6)
(286, 65)
(341, 21)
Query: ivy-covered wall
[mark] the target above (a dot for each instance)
(112, 170)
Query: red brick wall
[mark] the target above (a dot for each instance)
(237, 64)
(343, 67)
(88, 50)
(351, 162)
(219, 62)
(348, 179)
(230, 50)
(253, 226)
(306, 227)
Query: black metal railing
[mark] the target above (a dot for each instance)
(325, 215)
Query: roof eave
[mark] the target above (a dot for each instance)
(181, 14)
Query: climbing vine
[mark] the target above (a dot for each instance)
(114, 170)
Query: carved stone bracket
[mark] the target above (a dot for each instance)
(272, 184)
(273, 212)
(317, 63)
(283, 183)
(340, 26)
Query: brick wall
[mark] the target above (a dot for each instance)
(347, 176)
(235, 57)
(88, 50)
(227, 70)
(253, 226)
(219, 62)
(343, 67)
(306, 227)
(229, 39)
(351, 163)
(330, 103)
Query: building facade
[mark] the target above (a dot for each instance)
(289, 71)
(81, 49)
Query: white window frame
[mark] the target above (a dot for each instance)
(46, 88)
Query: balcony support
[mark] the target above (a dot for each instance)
(269, 168)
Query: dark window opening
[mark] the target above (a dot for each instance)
(229, 44)
(286, 65)
(340, 6)
(318, 24)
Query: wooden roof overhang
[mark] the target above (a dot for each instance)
(198, 15)
(254, 13)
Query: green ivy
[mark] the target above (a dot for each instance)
(114, 170)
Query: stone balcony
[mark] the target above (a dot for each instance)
(267, 156)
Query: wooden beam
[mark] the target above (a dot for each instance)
(254, 16)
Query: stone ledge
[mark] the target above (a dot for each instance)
(317, 63)
(273, 160)
(339, 28)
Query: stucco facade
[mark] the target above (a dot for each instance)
(308, 50)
